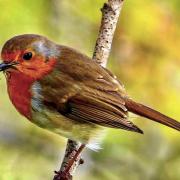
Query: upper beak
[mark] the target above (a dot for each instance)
(4, 66)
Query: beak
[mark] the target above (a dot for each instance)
(4, 66)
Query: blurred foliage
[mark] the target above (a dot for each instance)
(145, 57)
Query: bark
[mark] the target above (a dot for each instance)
(110, 14)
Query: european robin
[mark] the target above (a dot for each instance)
(66, 92)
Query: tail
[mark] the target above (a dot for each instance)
(149, 113)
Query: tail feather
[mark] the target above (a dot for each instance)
(149, 113)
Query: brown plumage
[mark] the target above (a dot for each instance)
(64, 91)
(91, 93)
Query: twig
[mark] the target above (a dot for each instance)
(71, 149)
(110, 15)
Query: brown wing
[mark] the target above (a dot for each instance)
(82, 90)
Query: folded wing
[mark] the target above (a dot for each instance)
(83, 91)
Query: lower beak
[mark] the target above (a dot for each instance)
(4, 66)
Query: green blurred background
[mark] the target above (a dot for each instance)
(145, 57)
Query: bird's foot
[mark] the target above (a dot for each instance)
(65, 174)
(62, 175)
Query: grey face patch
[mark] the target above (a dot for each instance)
(47, 48)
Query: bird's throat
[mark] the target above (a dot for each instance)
(19, 89)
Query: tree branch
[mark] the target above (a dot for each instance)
(110, 15)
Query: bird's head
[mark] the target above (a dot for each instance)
(31, 55)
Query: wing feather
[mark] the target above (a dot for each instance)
(82, 90)
(94, 114)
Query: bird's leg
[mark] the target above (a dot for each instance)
(65, 175)
(70, 163)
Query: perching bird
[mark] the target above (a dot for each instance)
(64, 91)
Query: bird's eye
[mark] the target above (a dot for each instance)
(27, 56)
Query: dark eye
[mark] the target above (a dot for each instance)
(27, 56)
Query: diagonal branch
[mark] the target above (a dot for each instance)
(110, 15)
